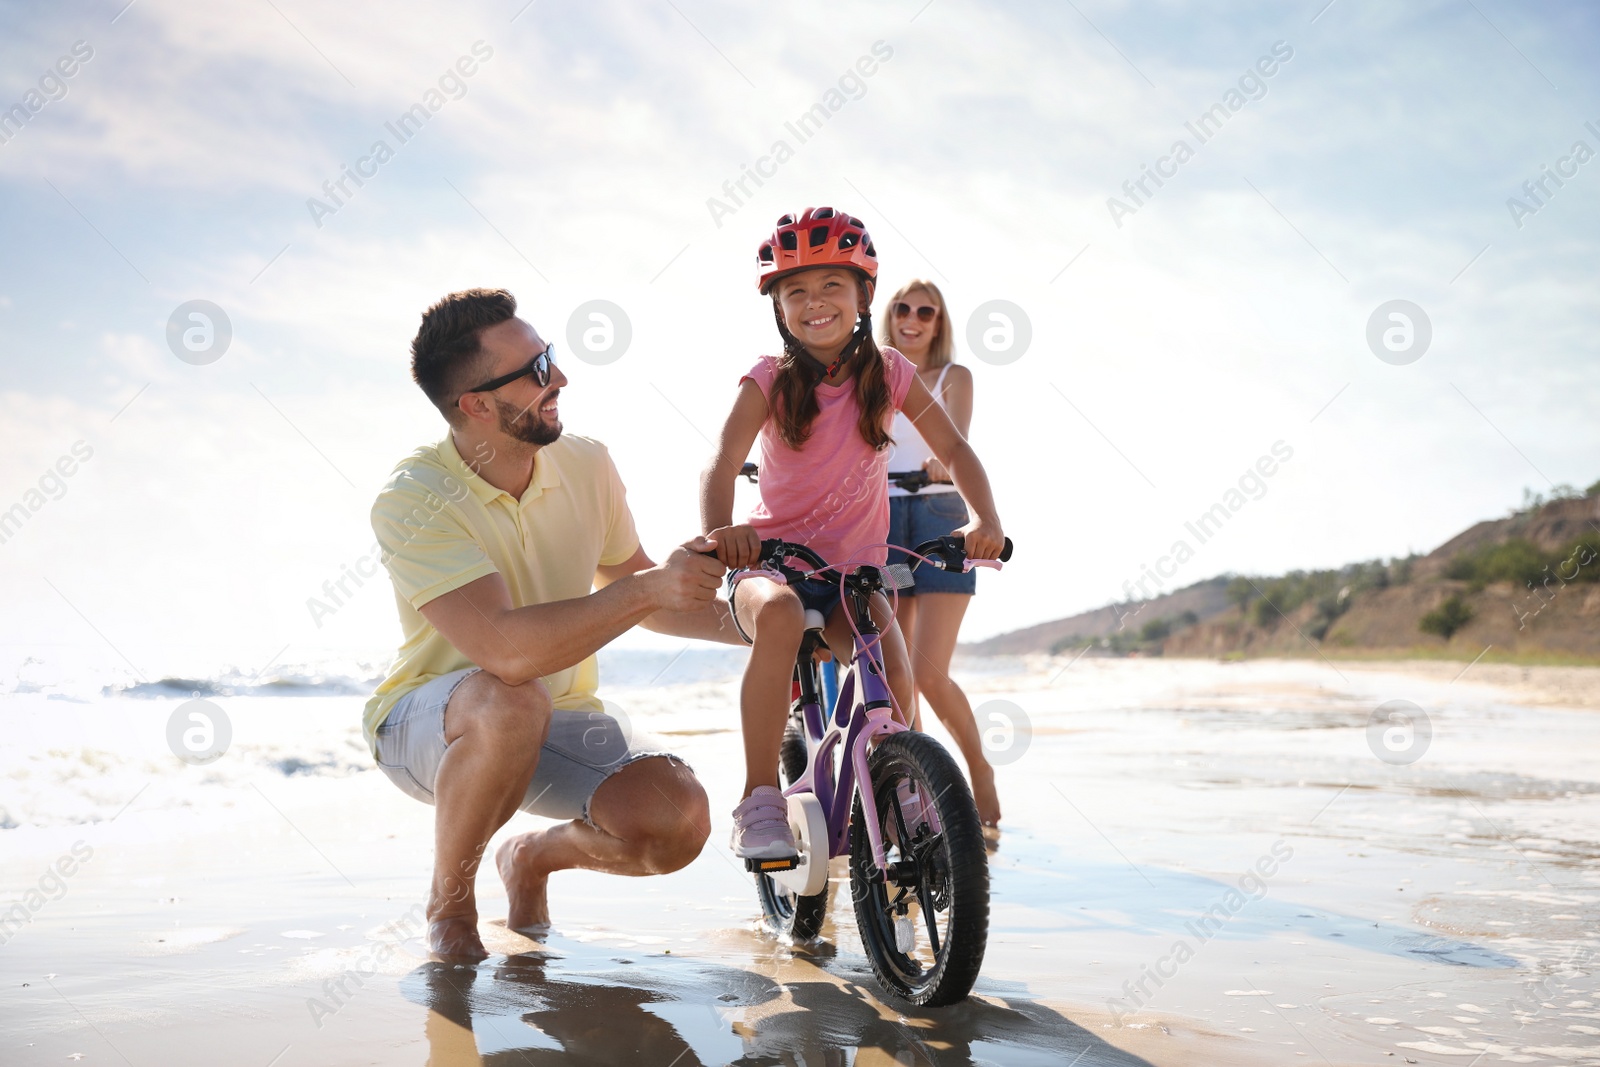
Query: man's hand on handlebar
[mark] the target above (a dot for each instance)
(688, 578)
(984, 540)
(737, 546)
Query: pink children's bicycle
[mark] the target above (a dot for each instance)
(858, 782)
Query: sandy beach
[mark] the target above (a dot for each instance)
(1572, 687)
(264, 909)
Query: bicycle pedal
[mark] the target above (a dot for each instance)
(769, 866)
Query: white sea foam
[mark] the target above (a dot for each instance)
(82, 740)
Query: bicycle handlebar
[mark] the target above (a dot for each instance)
(775, 550)
(951, 551)
(912, 481)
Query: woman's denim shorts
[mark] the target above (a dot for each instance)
(922, 517)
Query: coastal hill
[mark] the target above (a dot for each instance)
(1203, 599)
(1526, 586)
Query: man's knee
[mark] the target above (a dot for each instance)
(659, 807)
(513, 715)
(673, 843)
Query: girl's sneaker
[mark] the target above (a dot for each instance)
(761, 826)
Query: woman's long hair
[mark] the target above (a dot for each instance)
(794, 396)
(941, 349)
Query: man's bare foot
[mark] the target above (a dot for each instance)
(454, 938)
(526, 883)
(987, 799)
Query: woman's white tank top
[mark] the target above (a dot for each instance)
(910, 451)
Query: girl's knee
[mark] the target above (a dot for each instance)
(779, 617)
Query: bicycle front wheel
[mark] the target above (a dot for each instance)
(924, 923)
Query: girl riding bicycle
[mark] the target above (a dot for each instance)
(821, 411)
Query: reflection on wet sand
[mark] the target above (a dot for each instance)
(585, 1007)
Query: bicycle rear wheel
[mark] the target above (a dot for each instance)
(924, 924)
(792, 754)
(795, 916)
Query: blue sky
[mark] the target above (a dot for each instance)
(1167, 354)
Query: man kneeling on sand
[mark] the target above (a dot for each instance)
(514, 558)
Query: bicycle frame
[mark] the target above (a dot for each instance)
(863, 710)
(857, 717)
(849, 750)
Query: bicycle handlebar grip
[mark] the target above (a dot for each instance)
(960, 545)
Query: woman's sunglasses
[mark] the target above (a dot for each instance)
(538, 367)
(924, 313)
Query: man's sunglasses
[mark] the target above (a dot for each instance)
(924, 313)
(538, 367)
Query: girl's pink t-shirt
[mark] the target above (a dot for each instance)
(832, 494)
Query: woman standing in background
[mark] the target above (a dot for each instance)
(930, 613)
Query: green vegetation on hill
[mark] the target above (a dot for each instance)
(1267, 600)
(1447, 618)
(1524, 585)
(1523, 563)
(1533, 500)
(1146, 640)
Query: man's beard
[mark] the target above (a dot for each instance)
(525, 425)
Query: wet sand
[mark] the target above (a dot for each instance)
(1573, 687)
(1201, 863)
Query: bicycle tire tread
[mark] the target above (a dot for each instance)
(968, 873)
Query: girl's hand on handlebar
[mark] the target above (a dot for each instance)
(737, 546)
(983, 540)
(936, 472)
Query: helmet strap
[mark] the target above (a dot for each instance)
(851, 347)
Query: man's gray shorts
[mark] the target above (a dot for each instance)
(584, 748)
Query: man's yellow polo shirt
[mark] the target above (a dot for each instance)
(441, 526)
